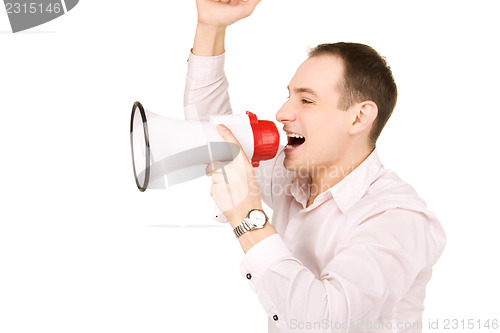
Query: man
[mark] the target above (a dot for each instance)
(351, 246)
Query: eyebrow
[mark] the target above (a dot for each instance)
(303, 90)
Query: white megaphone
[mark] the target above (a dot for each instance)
(167, 151)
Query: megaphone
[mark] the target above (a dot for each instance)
(167, 151)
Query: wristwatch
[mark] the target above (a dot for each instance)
(256, 219)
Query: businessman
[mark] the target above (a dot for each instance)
(351, 246)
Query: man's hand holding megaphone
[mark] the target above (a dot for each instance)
(235, 191)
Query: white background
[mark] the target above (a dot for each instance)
(82, 250)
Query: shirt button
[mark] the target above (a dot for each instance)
(249, 276)
(275, 317)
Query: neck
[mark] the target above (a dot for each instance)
(323, 178)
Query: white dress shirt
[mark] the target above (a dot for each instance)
(357, 260)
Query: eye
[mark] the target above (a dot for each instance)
(306, 101)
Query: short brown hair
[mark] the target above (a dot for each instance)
(367, 76)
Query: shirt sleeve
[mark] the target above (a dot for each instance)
(206, 90)
(370, 271)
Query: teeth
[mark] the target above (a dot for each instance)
(293, 135)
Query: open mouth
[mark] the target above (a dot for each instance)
(294, 140)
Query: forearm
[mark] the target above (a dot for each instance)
(287, 289)
(250, 238)
(206, 90)
(209, 40)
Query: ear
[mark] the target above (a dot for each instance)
(364, 115)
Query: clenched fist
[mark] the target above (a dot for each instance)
(222, 13)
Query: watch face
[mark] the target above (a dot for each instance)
(257, 218)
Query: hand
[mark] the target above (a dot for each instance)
(234, 187)
(223, 13)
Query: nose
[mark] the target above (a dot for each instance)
(285, 113)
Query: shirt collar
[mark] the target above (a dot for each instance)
(345, 193)
(352, 188)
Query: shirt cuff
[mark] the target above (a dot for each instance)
(261, 257)
(205, 68)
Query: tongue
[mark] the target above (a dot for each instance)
(296, 142)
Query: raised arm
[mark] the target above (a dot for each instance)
(206, 91)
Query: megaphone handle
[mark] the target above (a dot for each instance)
(218, 216)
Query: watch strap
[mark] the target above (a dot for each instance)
(242, 228)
